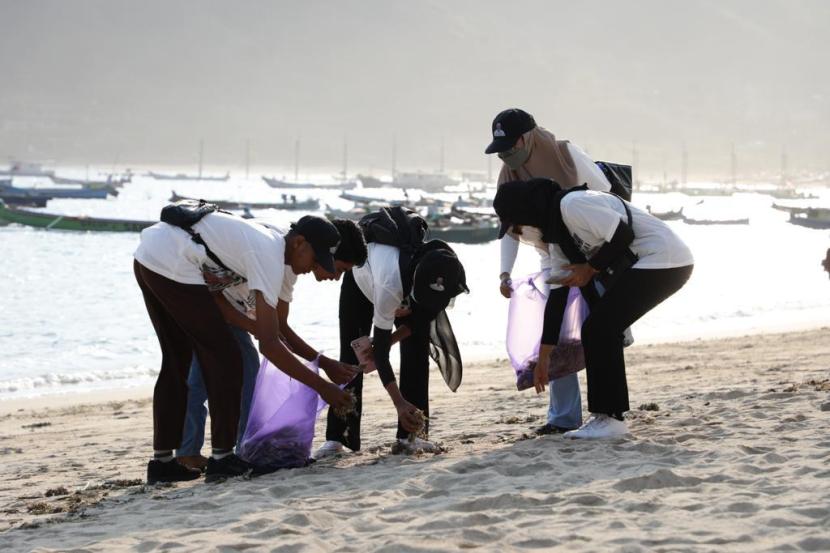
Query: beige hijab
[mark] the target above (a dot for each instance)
(548, 158)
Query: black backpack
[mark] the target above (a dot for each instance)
(186, 213)
(620, 178)
(399, 227)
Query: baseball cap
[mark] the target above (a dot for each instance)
(439, 277)
(323, 237)
(508, 126)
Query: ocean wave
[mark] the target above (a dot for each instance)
(52, 381)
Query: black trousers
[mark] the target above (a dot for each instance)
(187, 320)
(636, 293)
(355, 321)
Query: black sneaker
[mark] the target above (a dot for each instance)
(227, 467)
(549, 428)
(170, 471)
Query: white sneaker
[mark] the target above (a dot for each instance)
(599, 427)
(327, 450)
(417, 445)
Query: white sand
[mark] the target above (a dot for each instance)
(736, 459)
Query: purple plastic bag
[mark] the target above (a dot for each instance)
(281, 422)
(524, 330)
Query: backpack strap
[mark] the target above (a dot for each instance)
(566, 240)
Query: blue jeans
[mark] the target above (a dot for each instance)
(193, 436)
(565, 409)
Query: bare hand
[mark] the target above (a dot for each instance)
(215, 280)
(402, 312)
(406, 415)
(540, 375)
(337, 398)
(581, 274)
(338, 372)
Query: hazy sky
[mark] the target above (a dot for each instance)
(144, 81)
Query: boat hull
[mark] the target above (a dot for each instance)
(53, 221)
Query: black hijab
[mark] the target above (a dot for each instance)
(531, 202)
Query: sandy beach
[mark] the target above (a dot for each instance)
(736, 457)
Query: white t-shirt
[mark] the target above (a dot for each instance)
(254, 252)
(592, 218)
(244, 300)
(587, 172)
(380, 281)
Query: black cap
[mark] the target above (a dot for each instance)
(439, 277)
(323, 237)
(508, 126)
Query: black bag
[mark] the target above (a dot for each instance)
(622, 263)
(186, 213)
(620, 178)
(399, 227)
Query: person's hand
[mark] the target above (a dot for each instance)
(540, 374)
(214, 280)
(581, 274)
(505, 286)
(339, 400)
(406, 414)
(337, 371)
(402, 312)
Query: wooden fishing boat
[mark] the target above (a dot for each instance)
(60, 192)
(811, 217)
(666, 215)
(65, 222)
(690, 221)
(288, 203)
(465, 232)
(183, 176)
(277, 183)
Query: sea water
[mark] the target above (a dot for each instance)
(72, 317)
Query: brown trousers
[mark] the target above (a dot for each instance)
(187, 320)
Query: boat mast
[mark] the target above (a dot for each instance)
(247, 158)
(297, 160)
(684, 165)
(201, 155)
(441, 165)
(345, 159)
(734, 167)
(784, 166)
(394, 156)
(635, 155)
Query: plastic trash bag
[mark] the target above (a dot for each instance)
(281, 421)
(524, 331)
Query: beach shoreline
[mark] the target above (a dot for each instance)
(734, 456)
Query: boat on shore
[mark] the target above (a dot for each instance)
(466, 230)
(55, 221)
(289, 202)
(110, 183)
(671, 215)
(428, 182)
(691, 221)
(60, 192)
(25, 169)
(274, 182)
(707, 191)
(186, 177)
(811, 217)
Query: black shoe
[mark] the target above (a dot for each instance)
(551, 429)
(170, 471)
(227, 467)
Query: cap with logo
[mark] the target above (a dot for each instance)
(439, 277)
(323, 237)
(508, 126)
